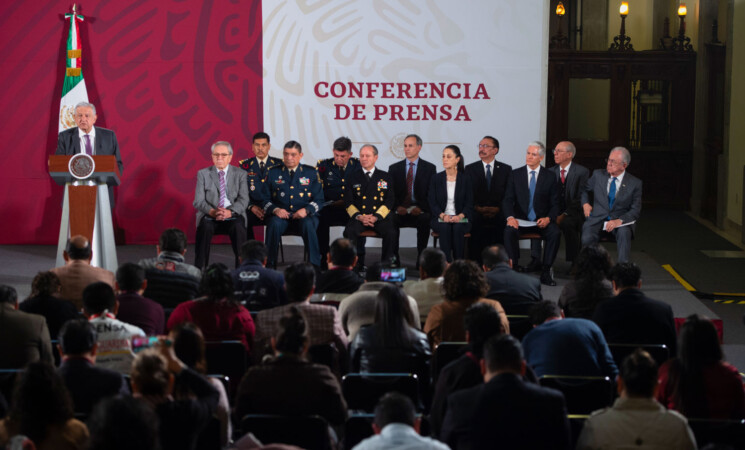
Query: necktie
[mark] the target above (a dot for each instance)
(409, 184)
(261, 166)
(223, 196)
(611, 194)
(292, 176)
(369, 175)
(563, 175)
(341, 171)
(88, 148)
(488, 177)
(531, 213)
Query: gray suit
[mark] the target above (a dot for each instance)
(627, 207)
(24, 338)
(207, 197)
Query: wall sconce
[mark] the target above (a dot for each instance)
(682, 43)
(622, 43)
(559, 41)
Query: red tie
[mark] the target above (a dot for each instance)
(563, 175)
(409, 184)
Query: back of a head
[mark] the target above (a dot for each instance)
(698, 343)
(481, 322)
(254, 251)
(433, 262)
(77, 337)
(45, 284)
(463, 280)
(373, 272)
(78, 247)
(188, 344)
(300, 279)
(393, 315)
(542, 311)
(130, 277)
(342, 252)
(123, 423)
(293, 333)
(217, 282)
(40, 400)
(8, 294)
(172, 240)
(150, 373)
(503, 353)
(394, 407)
(639, 374)
(493, 255)
(98, 297)
(626, 275)
(593, 261)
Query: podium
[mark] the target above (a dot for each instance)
(86, 209)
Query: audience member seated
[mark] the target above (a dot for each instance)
(636, 419)
(114, 337)
(188, 343)
(392, 343)
(77, 273)
(464, 284)
(340, 278)
(396, 426)
(631, 317)
(509, 286)
(123, 423)
(559, 346)
(287, 384)
(427, 291)
(44, 300)
(699, 383)
(154, 373)
(590, 285)
(506, 411)
(322, 321)
(170, 280)
(24, 337)
(42, 411)
(256, 286)
(133, 307)
(358, 309)
(218, 314)
(87, 383)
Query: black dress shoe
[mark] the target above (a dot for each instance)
(547, 277)
(534, 266)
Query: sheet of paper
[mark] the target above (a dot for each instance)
(526, 223)
(622, 225)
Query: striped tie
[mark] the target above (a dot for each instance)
(223, 196)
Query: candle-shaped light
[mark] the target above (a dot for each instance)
(682, 10)
(560, 11)
(624, 9)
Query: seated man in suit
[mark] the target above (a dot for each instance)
(257, 286)
(572, 179)
(511, 288)
(257, 169)
(220, 198)
(410, 179)
(616, 200)
(533, 196)
(293, 197)
(77, 273)
(24, 337)
(369, 202)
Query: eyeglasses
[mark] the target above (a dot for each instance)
(614, 162)
(220, 155)
(485, 146)
(556, 150)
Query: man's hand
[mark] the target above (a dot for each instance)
(416, 211)
(512, 222)
(338, 204)
(301, 214)
(401, 211)
(258, 212)
(213, 213)
(281, 213)
(543, 222)
(587, 208)
(613, 224)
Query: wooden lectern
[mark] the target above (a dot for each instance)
(86, 209)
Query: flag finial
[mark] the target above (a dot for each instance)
(74, 8)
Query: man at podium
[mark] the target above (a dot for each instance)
(85, 138)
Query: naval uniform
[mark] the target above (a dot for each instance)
(255, 177)
(292, 193)
(371, 195)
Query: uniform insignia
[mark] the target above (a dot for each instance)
(301, 194)
(252, 174)
(253, 188)
(282, 194)
(280, 181)
(357, 186)
(304, 181)
(382, 184)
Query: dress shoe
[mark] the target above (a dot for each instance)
(534, 266)
(547, 277)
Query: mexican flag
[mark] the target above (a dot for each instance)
(73, 89)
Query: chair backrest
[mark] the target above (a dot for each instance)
(228, 358)
(363, 390)
(308, 432)
(512, 304)
(583, 395)
(445, 353)
(519, 326)
(326, 354)
(357, 428)
(727, 432)
(576, 423)
(659, 352)
(170, 288)
(225, 381)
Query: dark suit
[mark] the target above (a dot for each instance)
(570, 194)
(507, 413)
(451, 234)
(487, 231)
(371, 196)
(633, 318)
(24, 338)
(627, 207)
(505, 282)
(89, 384)
(545, 204)
(424, 172)
(207, 197)
(255, 177)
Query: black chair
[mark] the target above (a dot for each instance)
(363, 390)
(583, 395)
(513, 305)
(225, 381)
(576, 423)
(357, 428)
(327, 355)
(519, 326)
(170, 289)
(7, 382)
(444, 354)
(726, 432)
(228, 358)
(308, 432)
(55, 353)
(659, 352)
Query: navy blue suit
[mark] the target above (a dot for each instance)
(451, 234)
(371, 196)
(255, 177)
(259, 287)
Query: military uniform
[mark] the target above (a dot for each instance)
(372, 195)
(301, 191)
(255, 177)
(333, 179)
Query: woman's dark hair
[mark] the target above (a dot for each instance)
(46, 284)
(456, 150)
(464, 281)
(122, 423)
(393, 316)
(40, 400)
(293, 333)
(593, 268)
(188, 344)
(698, 347)
(217, 283)
(150, 374)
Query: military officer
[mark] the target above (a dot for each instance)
(333, 173)
(370, 202)
(257, 169)
(293, 196)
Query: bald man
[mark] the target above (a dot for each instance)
(77, 273)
